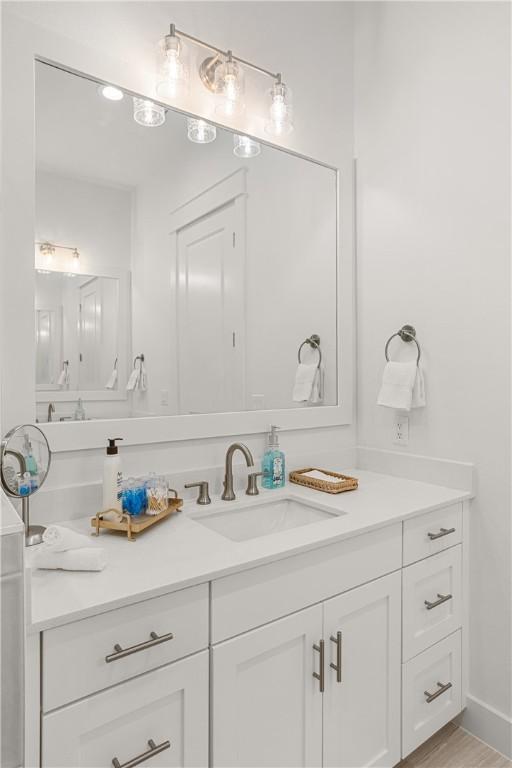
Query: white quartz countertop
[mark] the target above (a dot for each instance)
(180, 552)
(10, 521)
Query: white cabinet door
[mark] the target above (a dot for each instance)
(362, 710)
(267, 706)
(167, 707)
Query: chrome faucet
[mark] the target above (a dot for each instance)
(51, 409)
(252, 487)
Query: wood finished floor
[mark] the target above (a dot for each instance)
(452, 747)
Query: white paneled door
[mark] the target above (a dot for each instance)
(211, 322)
(362, 700)
(267, 706)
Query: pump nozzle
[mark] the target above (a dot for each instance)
(112, 447)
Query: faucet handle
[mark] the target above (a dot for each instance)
(204, 496)
(252, 484)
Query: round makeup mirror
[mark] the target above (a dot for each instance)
(25, 459)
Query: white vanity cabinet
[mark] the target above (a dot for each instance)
(161, 717)
(279, 701)
(347, 655)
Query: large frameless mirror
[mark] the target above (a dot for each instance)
(180, 268)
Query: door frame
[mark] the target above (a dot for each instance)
(231, 189)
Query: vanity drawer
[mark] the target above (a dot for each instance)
(431, 533)
(168, 706)
(431, 691)
(75, 655)
(431, 600)
(259, 595)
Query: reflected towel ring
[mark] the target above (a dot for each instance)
(407, 333)
(314, 343)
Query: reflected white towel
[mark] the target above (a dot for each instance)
(56, 538)
(112, 380)
(402, 387)
(305, 383)
(143, 378)
(86, 559)
(64, 377)
(133, 381)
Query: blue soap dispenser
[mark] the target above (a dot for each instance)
(273, 466)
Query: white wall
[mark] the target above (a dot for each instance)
(117, 41)
(432, 84)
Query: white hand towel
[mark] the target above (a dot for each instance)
(86, 559)
(57, 538)
(418, 392)
(112, 380)
(133, 381)
(62, 378)
(304, 383)
(399, 381)
(317, 391)
(143, 378)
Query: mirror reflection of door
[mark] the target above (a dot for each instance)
(98, 331)
(211, 314)
(48, 348)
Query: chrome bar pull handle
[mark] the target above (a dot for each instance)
(154, 749)
(120, 653)
(320, 676)
(442, 688)
(442, 532)
(338, 641)
(440, 600)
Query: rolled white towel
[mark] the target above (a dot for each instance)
(57, 538)
(86, 559)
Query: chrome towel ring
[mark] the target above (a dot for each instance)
(314, 342)
(407, 333)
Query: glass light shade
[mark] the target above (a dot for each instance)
(245, 147)
(230, 88)
(172, 68)
(280, 121)
(200, 132)
(147, 113)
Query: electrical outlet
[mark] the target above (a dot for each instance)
(164, 397)
(401, 429)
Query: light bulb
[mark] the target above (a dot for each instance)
(280, 122)
(245, 147)
(229, 87)
(111, 93)
(147, 113)
(173, 72)
(200, 132)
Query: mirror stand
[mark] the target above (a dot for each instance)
(33, 533)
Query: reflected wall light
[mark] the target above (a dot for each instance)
(200, 132)
(147, 113)
(245, 147)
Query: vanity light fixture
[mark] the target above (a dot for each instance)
(173, 71)
(245, 147)
(222, 73)
(229, 87)
(111, 93)
(280, 122)
(147, 113)
(47, 249)
(200, 132)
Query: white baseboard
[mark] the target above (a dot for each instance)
(426, 469)
(488, 725)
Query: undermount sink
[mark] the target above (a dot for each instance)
(240, 524)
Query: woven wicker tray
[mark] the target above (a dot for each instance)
(132, 525)
(345, 482)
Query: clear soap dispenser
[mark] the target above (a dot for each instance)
(273, 464)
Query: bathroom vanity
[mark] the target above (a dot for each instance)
(294, 628)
